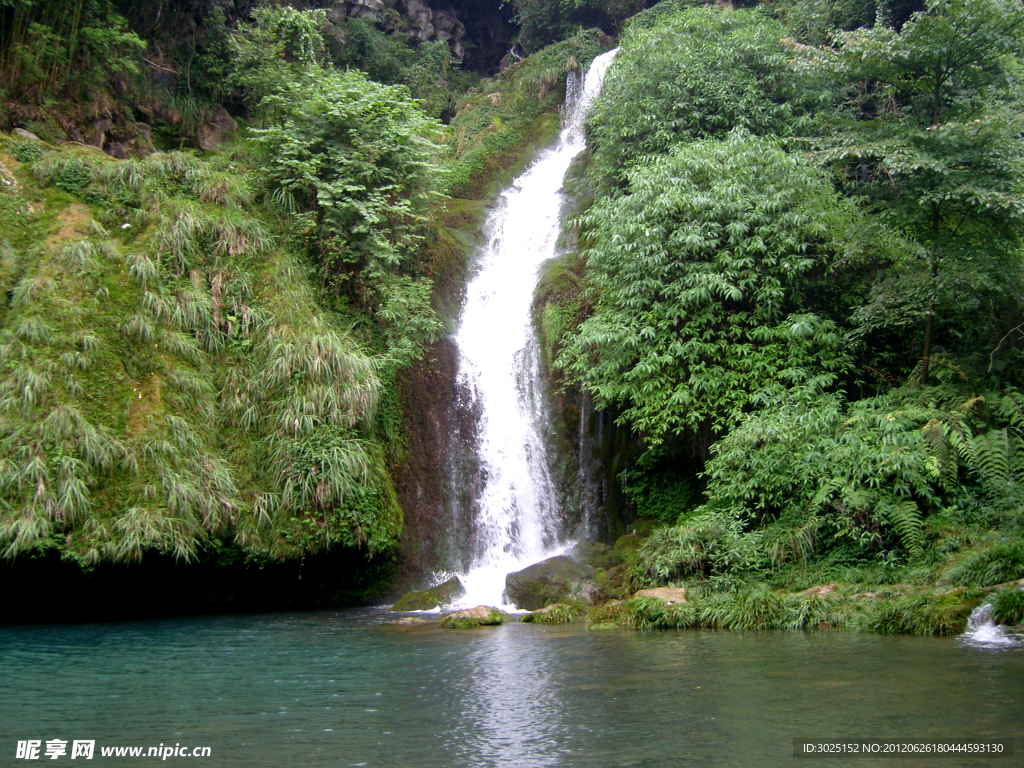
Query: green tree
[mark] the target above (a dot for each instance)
(696, 74)
(278, 48)
(935, 154)
(702, 276)
(357, 157)
(48, 49)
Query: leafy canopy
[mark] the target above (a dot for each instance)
(697, 74)
(701, 273)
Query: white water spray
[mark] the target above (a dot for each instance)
(517, 519)
(982, 630)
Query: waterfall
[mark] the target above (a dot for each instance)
(983, 631)
(515, 518)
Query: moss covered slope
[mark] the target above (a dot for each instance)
(168, 375)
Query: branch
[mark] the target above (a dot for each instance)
(992, 357)
(154, 64)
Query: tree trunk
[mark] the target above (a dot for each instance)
(927, 348)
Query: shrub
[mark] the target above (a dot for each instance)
(1008, 607)
(358, 157)
(558, 613)
(706, 546)
(695, 74)
(652, 613)
(701, 275)
(919, 614)
(998, 564)
(27, 151)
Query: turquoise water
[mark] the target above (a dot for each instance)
(341, 688)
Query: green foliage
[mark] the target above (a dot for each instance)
(495, 124)
(696, 74)
(407, 318)
(392, 59)
(917, 614)
(558, 613)
(273, 51)
(27, 151)
(998, 564)
(813, 22)
(357, 156)
(651, 613)
(940, 60)
(701, 275)
(1008, 607)
(145, 383)
(53, 49)
(759, 607)
(658, 495)
(705, 547)
(862, 469)
(543, 22)
(730, 289)
(930, 143)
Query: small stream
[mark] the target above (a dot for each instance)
(345, 689)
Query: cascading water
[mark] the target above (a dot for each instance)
(982, 629)
(516, 519)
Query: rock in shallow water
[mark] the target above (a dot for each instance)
(428, 599)
(481, 616)
(545, 582)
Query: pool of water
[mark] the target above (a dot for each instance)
(345, 689)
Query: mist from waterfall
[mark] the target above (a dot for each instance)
(516, 514)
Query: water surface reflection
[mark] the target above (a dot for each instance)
(341, 689)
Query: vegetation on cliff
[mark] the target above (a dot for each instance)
(794, 273)
(799, 284)
(201, 351)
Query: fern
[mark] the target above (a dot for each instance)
(905, 518)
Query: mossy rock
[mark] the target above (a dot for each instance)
(631, 542)
(481, 616)
(428, 599)
(556, 613)
(595, 554)
(549, 581)
(611, 615)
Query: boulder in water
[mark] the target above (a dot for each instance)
(428, 599)
(556, 613)
(670, 595)
(481, 616)
(548, 581)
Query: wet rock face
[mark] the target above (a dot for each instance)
(212, 132)
(595, 554)
(426, 23)
(436, 24)
(548, 581)
(428, 599)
